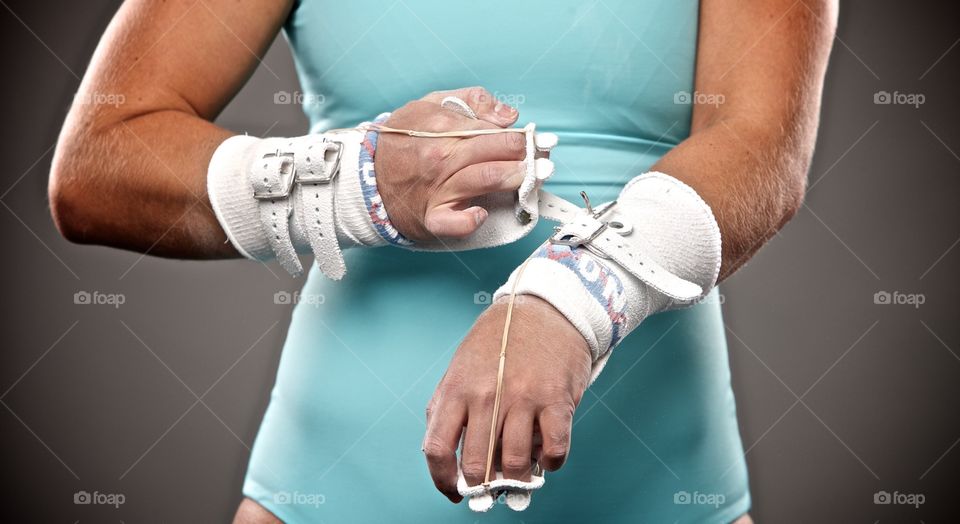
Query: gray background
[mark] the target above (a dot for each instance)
(160, 398)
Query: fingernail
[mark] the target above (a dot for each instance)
(517, 177)
(480, 215)
(504, 110)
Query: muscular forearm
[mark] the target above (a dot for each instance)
(748, 154)
(139, 183)
(752, 178)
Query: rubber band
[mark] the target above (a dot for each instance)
(503, 356)
(465, 133)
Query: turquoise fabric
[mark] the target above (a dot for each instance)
(655, 438)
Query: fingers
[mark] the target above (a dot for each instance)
(480, 179)
(482, 102)
(555, 421)
(444, 427)
(473, 459)
(517, 444)
(487, 148)
(447, 221)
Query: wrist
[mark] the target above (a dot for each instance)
(657, 249)
(542, 314)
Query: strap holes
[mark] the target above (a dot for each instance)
(316, 209)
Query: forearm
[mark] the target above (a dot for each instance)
(139, 183)
(753, 178)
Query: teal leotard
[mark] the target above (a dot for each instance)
(340, 441)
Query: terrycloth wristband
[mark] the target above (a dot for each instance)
(294, 223)
(659, 217)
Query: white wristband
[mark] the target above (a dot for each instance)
(657, 248)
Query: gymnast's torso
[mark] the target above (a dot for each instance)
(340, 441)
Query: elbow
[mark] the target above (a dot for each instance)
(66, 203)
(69, 187)
(793, 192)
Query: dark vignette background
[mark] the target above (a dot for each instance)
(839, 398)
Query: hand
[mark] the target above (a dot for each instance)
(427, 183)
(546, 372)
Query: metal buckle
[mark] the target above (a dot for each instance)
(328, 174)
(288, 172)
(559, 239)
(574, 241)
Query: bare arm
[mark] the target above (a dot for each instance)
(748, 156)
(133, 175)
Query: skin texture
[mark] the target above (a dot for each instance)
(145, 160)
(431, 181)
(747, 158)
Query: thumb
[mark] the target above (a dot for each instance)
(446, 221)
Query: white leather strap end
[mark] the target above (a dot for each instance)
(511, 216)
